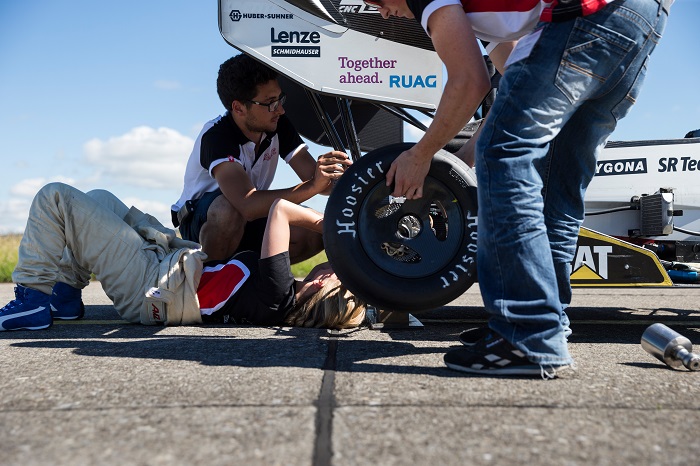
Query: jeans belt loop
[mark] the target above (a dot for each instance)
(665, 5)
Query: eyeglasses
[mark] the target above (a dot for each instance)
(272, 106)
(373, 3)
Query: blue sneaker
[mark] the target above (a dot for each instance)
(66, 302)
(29, 310)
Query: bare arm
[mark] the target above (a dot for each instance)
(467, 84)
(252, 203)
(305, 166)
(282, 215)
(498, 56)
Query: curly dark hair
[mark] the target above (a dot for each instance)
(239, 77)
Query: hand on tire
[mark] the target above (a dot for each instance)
(329, 167)
(407, 174)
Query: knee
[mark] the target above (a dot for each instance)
(109, 201)
(52, 187)
(53, 192)
(100, 194)
(223, 229)
(225, 217)
(279, 205)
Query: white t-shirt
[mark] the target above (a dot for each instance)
(221, 141)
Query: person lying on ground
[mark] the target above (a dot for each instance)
(154, 277)
(227, 183)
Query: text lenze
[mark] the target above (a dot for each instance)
(295, 37)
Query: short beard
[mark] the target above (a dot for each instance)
(258, 128)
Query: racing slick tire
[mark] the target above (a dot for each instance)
(403, 256)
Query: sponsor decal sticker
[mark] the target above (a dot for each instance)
(292, 38)
(296, 51)
(621, 167)
(357, 69)
(412, 81)
(602, 260)
(155, 312)
(236, 15)
(591, 262)
(367, 71)
(675, 164)
(356, 6)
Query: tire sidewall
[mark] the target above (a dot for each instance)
(356, 269)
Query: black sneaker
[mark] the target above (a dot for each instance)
(473, 335)
(494, 355)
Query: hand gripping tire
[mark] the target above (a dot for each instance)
(410, 256)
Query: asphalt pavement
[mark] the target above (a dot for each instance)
(100, 391)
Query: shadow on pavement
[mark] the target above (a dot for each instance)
(307, 348)
(295, 347)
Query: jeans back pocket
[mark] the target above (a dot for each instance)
(593, 53)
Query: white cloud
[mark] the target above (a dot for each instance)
(143, 157)
(144, 167)
(158, 209)
(14, 214)
(26, 189)
(15, 211)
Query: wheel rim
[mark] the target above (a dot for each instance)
(415, 239)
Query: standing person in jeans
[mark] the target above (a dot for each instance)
(152, 276)
(565, 87)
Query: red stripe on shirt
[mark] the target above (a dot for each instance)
(591, 6)
(558, 12)
(484, 6)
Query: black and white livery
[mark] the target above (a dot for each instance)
(364, 77)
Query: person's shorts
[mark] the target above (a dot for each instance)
(192, 224)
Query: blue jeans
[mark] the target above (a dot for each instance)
(537, 154)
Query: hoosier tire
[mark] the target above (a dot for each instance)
(410, 256)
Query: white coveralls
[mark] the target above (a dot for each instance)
(150, 275)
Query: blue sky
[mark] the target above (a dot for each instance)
(112, 95)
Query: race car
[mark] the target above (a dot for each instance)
(365, 78)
